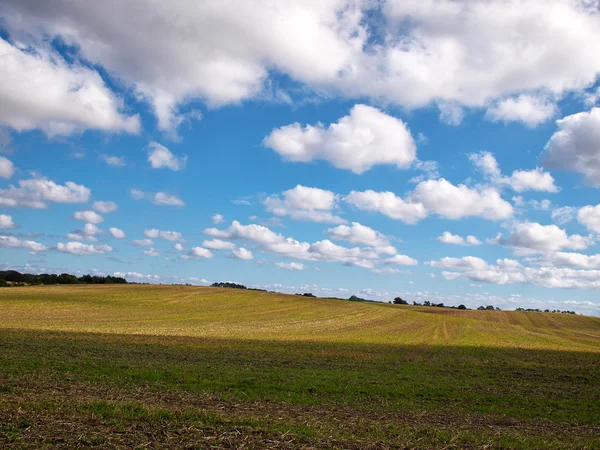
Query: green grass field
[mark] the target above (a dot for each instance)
(174, 366)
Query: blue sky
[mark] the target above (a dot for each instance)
(308, 147)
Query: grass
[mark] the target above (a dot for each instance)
(174, 366)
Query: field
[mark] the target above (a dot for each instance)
(135, 366)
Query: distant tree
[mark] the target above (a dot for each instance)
(229, 285)
(354, 298)
(426, 303)
(481, 308)
(308, 294)
(462, 307)
(399, 301)
(489, 308)
(416, 304)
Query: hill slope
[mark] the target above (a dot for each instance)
(238, 314)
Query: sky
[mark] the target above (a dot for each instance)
(439, 150)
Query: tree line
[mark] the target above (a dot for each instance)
(14, 278)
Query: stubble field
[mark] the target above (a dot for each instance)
(178, 366)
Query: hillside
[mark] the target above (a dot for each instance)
(239, 314)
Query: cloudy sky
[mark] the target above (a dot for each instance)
(436, 149)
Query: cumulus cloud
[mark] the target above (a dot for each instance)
(449, 238)
(78, 248)
(361, 234)
(199, 252)
(105, 207)
(217, 219)
(293, 266)
(88, 216)
(305, 203)
(576, 145)
(569, 259)
(507, 271)
(357, 142)
(276, 243)
(117, 233)
(218, 244)
(136, 276)
(7, 168)
(162, 198)
(160, 156)
(242, 253)
(531, 110)
(142, 242)
(388, 204)
(520, 180)
(158, 198)
(115, 161)
(153, 233)
(40, 90)
(13, 242)
(6, 221)
(456, 202)
(34, 193)
(402, 260)
(152, 252)
(542, 238)
(590, 217)
(177, 246)
(454, 52)
(437, 196)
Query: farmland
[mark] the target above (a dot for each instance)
(181, 366)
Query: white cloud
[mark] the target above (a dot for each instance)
(115, 161)
(464, 263)
(458, 52)
(7, 168)
(569, 259)
(576, 145)
(160, 156)
(456, 202)
(564, 215)
(34, 193)
(217, 219)
(531, 110)
(78, 248)
(449, 238)
(6, 221)
(520, 180)
(117, 233)
(437, 196)
(137, 276)
(402, 260)
(218, 244)
(361, 234)
(88, 216)
(388, 204)
(242, 253)
(451, 113)
(151, 252)
(290, 266)
(177, 246)
(542, 238)
(158, 198)
(142, 242)
(276, 243)
(305, 203)
(136, 194)
(590, 217)
(105, 207)
(40, 90)
(13, 242)
(199, 252)
(357, 142)
(153, 233)
(162, 198)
